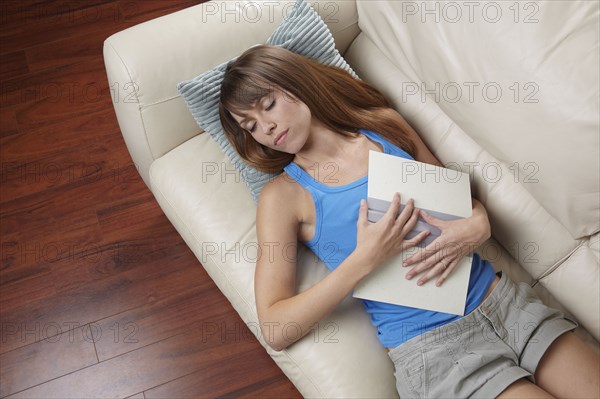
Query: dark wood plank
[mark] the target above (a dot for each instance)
(147, 237)
(13, 64)
(275, 387)
(57, 205)
(29, 12)
(56, 353)
(67, 134)
(134, 12)
(8, 125)
(67, 51)
(29, 284)
(93, 251)
(83, 164)
(200, 308)
(65, 92)
(161, 362)
(48, 244)
(91, 302)
(230, 379)
(55, 20)
(30, 259)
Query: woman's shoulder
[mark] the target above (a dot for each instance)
(280, 185)
(282, 205)
(283, 196)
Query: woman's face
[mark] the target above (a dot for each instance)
(278, 120)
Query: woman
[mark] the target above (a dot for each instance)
(316, 124)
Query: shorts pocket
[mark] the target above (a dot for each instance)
(454, 372)
(530, 313)
(413, 373)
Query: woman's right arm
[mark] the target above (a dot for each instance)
(278, 304)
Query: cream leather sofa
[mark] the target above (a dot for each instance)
(506, 91)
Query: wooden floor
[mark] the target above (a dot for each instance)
(100, 297)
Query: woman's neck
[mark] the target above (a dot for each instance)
(324, 145)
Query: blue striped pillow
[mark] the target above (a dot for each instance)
(303, 32)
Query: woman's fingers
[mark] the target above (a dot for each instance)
(406, 213)
(392, 213)
(386, 237)
(446, 272)
(433, 220)
(408, 225)
(434, 248)
(362, 212)
(443, 267)
(413, 242)
(438, 256)
(437, 269)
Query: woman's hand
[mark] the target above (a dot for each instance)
(458, 238)
(376, 242)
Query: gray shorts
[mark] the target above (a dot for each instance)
(481, 354)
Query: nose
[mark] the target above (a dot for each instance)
(269, 127)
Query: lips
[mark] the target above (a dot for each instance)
(280, 137)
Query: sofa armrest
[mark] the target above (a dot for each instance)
(145, 63)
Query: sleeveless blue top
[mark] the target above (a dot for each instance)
(335, 239)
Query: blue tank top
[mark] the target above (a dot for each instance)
(335, 239)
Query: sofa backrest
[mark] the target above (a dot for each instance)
(144, 67)
(520, 78)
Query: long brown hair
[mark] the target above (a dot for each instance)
(338, 100)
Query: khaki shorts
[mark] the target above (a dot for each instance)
(481, 354)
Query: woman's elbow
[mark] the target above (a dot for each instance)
(273, 336)
(277, 346)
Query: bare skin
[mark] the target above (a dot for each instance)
(568, 369)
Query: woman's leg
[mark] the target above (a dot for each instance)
(524, 389)
(569, 369)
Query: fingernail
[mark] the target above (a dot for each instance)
(409, 276)
(437, 284)
(420, 282)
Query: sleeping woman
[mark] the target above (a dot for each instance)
(315, 125)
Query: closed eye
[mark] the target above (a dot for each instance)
(251, 130)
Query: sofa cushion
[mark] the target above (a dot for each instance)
(303, 32)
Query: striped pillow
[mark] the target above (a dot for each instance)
(303, 32)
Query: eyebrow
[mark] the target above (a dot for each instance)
(243, 115)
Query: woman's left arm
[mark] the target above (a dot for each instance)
(458, 237)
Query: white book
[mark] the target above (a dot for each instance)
(443, 193)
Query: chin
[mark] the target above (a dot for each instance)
(287, 151)
(293, 150)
